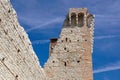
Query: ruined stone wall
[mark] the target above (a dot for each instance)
(71, 56)
(17, 58)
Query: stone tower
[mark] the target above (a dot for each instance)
(71, 53)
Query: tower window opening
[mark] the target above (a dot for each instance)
(53, 61)
(18, 50)
(78, 61)
(65, 48)
(8, 11)
(16, 76)
(65, 64)
(0, 20)
(51, 48)
(80, 19)
(85, 39)
(73, 19)
(66, 39)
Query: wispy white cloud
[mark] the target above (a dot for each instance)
(31, 20)
(110, 42)
(56, 20)
(36, 14)
(106, 37)
(107, 16)
(109, 67)
(38, 20)
(40, 41)
(106, 20)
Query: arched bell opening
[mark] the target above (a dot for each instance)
(73, 19)
(89, 21)
(80, 19)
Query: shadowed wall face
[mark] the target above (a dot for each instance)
(71, 56)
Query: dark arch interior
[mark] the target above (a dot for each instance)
(80, 19)
(73, 19)
(89, 21)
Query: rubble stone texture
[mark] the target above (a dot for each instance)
(71, 53)
(17, 58)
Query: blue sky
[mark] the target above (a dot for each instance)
(43, 19)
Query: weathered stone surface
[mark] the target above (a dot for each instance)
(71, 54)
(17, 58)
